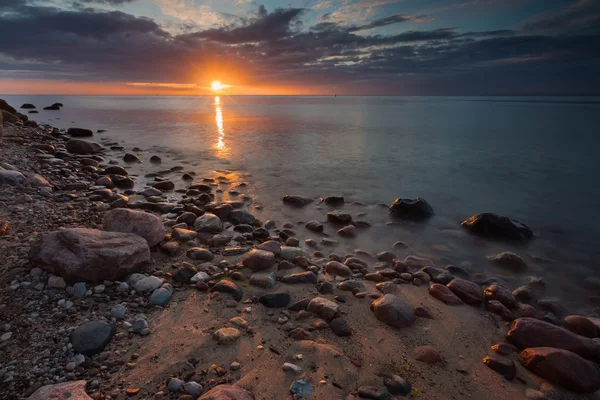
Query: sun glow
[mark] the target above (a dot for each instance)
(217, 86)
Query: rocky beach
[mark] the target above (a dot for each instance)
(127, 275)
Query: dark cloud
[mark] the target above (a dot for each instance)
(582, 16)
(110, 2)
(394, 19)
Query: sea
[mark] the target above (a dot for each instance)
(533, 159)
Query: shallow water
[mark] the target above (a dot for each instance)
(533, 159)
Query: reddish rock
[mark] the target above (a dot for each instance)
(529, 332)
(442, 293)
(526, 310)
(227, 392)
(500, 309)
(258, 260)
(427, 354)
(467, 291)
(504, 349)
(300, 334)
(581, 326)
(562, 367)
(501, 365)
(62, 391)
(501, 294)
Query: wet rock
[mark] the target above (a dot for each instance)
(351, 286)
(79, 146)
(229, 287)
(426, 354)
(501, 294)
(397, 385)
(324, 308)
(208, 223)
(508, 260)
(238, 217)
(393, 310)
(227, 392)
(258, 260)
(387, 256)
(504, 349)
(300, 277)
(333, 201)
(423, 312)
(530, 332)
(90, 255)
(348, 231)
(411, 208)
(155, 160)
(314, 226)
(501, 365)
(497, 226)
(200, 254)
(28, 106)
(443, 294)
(141, 223)
(524, 293)
(74, 390)
(226, 335)
(80, 132)
(171, 248)
(297, 201)
(164, 186)
(336, 268)
(184, 235)
(340, 327)
(92, 337)
(272, 246)
(562, 367)
(386, 287)
(275, 300)
(581, 326)
(290, 253)
(339, 217)
(500, 309)
(467, 291)
(417, 262)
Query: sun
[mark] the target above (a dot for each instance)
(217, 86)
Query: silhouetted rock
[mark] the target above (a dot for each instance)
(411, 208)
(497, 226)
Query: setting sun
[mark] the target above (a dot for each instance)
(217, 86)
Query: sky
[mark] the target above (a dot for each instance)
(345, 47)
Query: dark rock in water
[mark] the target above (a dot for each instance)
(530, 332)
(562, 367)
(339, 217)
(393, 310)
(131, 158)
(508, 260)
(501, 365)
(525, 294)
(467, 291)
(122, 182)
(500, 309)
(227, 392)
(58, 104)
(90, 255)
(581, 326)
(115, 170)
(314, 226)
(334, 200)
(260, 234)
(80, 132)
(155, 160)
(201, 187)
(397, 385)
(229, 287)
(297, 201)
(501, 294)
(92, 337)
(33, 112)
(497, 226)
(53, 107)
(411, 208)
(164, 186)
(79, 146)
(222, 211)
(187, 177)
(275, 300)
(28, 106)
(340, 327)
(238, 217)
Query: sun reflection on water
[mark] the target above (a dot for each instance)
(220, 145)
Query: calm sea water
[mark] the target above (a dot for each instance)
(531, 158)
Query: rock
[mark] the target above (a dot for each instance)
(227, 392)
(10, 117)
(226, 335)
(161, 296)
(292, 367)
(28, 106)
(427, 354)
(397, 385)
(411, 208)
(193, 388)
(264, 280)
(336, 268)
(351, 286)
(200, 277)
(501, 365)
(184, 235)
(314, 226)
(562, 367)
(393, 310)
(143, 224)
(92, 337)
(238, 217)
(348, 231)
(386, 287)
(501, 294)
(504, 349)
(175, 385)
(300, 277)
(300, 334)
(386, 256)
(118, 311)
(508, 260)
(155, 160)
(208, 223)
(164, 186)
(229, 287)
(290, 253)
(105, 181)
(90, 255)
(53, 107)
(340, 327)
(147, 284)
(443, 294)
(467, 291)
(131, 158)
(524, 293)
(117, 170)
(581, 326)
(74, 390)
(301, 389)
(56, 282)
(417, 262)
(36, 180)
(530, 332)
(258, 260)
(185, 273)
(497, 226)
(296, 201)
(80, 132)
(498, 308)
(339, 217)
(324, 308)
(272, 246)
(12, 178)
(275, 300)
(200, 254)
(79, 146)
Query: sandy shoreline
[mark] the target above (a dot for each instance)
(362, 352)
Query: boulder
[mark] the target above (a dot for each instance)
(467, 291)
(79, 254)
(227, 392)
(333, 201)
(581, 326)
(10, 117)
(4, 106)
(80, 132)
(497, 226)
(393, 310)
(208, 223)
(258, 260)
(411, 208)
(79, 146)
(562, 367)
(92, 337)
(297, 201)
(530, 332)
(74, 390)
(143, 224)
(12, 178)
(28, 106)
